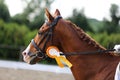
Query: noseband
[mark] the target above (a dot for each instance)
(47, 35)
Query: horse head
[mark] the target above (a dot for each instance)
(36, 49)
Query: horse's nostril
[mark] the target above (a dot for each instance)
(23, 53)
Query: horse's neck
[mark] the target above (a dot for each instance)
(73, 41)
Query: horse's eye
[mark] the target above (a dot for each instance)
(40, 33)
(42, 28)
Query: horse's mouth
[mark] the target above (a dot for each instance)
(31, 60)
(34, 60)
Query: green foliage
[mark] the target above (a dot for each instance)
(108, 26)
(20, 19)
(34, 12)
(105, 39)
(4, 12)
(29, 36)
(12, 33)
(113, 25)
(12, 36)
(37, 22)
(95, 25)
(80, 19)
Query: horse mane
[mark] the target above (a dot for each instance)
(85, 37)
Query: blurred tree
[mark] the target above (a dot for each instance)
(115, 14)
(34, 12)
(106, 40)
(12, 33)
(12, 37)
(4, 12)
(80, 19)
(20, 19)
(95, 24)
(113, 25)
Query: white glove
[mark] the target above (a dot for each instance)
(117, 49)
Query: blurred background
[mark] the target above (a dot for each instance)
(21, 19)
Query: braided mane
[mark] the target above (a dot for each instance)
(85, 37)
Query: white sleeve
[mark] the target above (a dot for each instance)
(117, 48)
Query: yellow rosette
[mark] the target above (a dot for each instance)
(53, 52)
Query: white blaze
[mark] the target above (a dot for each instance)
(27, 49)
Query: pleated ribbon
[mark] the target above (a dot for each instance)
(53, 52)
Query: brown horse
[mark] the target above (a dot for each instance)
(67, 37)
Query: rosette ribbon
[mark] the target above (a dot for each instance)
(53, 52)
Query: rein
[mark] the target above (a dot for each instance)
(88, 52)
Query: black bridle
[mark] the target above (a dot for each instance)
(47, 36)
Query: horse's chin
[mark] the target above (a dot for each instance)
(34, 60)
(31, 60)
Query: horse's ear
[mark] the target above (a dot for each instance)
(57, 13)
(49, 16)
